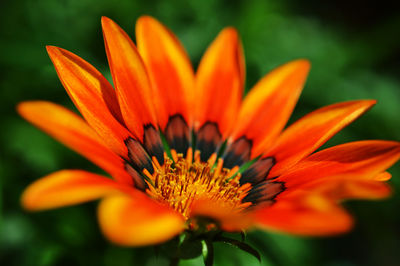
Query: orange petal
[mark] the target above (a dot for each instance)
(268, 106)
(92, 95)
(219, 83)
(74, 132)
(130, 78)
(169, 67)
(340, 188)
(133, 88)
(228, 220)
(69, 187)
(385, 176)
(310, 215)
(310, 132)
(137, 221)
(361, 159)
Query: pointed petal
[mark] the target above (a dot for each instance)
(69, 187)
(130, 78)
(342, 188)
(137, 221)
(310, 132)
(132, 85)
(169, 68)
(219, 83)
(361, 159)
(92, 95)
(268, 106)
(308, 215)
(385, 176)
(74, 132)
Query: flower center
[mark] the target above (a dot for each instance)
(179, 183)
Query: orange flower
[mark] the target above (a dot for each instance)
(263, 176)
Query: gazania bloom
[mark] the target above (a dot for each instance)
(188, 154)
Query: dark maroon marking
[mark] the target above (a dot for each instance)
(238, 152)
(152, 143)
(138, 157)
(264, 192)
(177, 134)
(208, 140)
(136, 176)
(258, 171)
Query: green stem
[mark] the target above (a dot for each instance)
(208, 256)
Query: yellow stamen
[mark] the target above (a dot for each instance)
(179, 184)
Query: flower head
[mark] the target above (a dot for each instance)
(187, 153)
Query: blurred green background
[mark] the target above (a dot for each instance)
(354, 48)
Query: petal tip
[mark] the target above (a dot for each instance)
(106, 22)
(231, 33)
(303, 63)
(147, 24)
(21, 107)
(30, 198)
(365, 102)
(52, 50)
(26, 107)
(146, 19)
(105, 19)
(370, 102)
(26, 201)
(362, 105)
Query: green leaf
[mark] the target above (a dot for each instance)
(239, 244)
(190, 249)
(168, 249)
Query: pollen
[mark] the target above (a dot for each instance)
(180, 182)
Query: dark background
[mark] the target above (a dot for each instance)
(354, 47)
